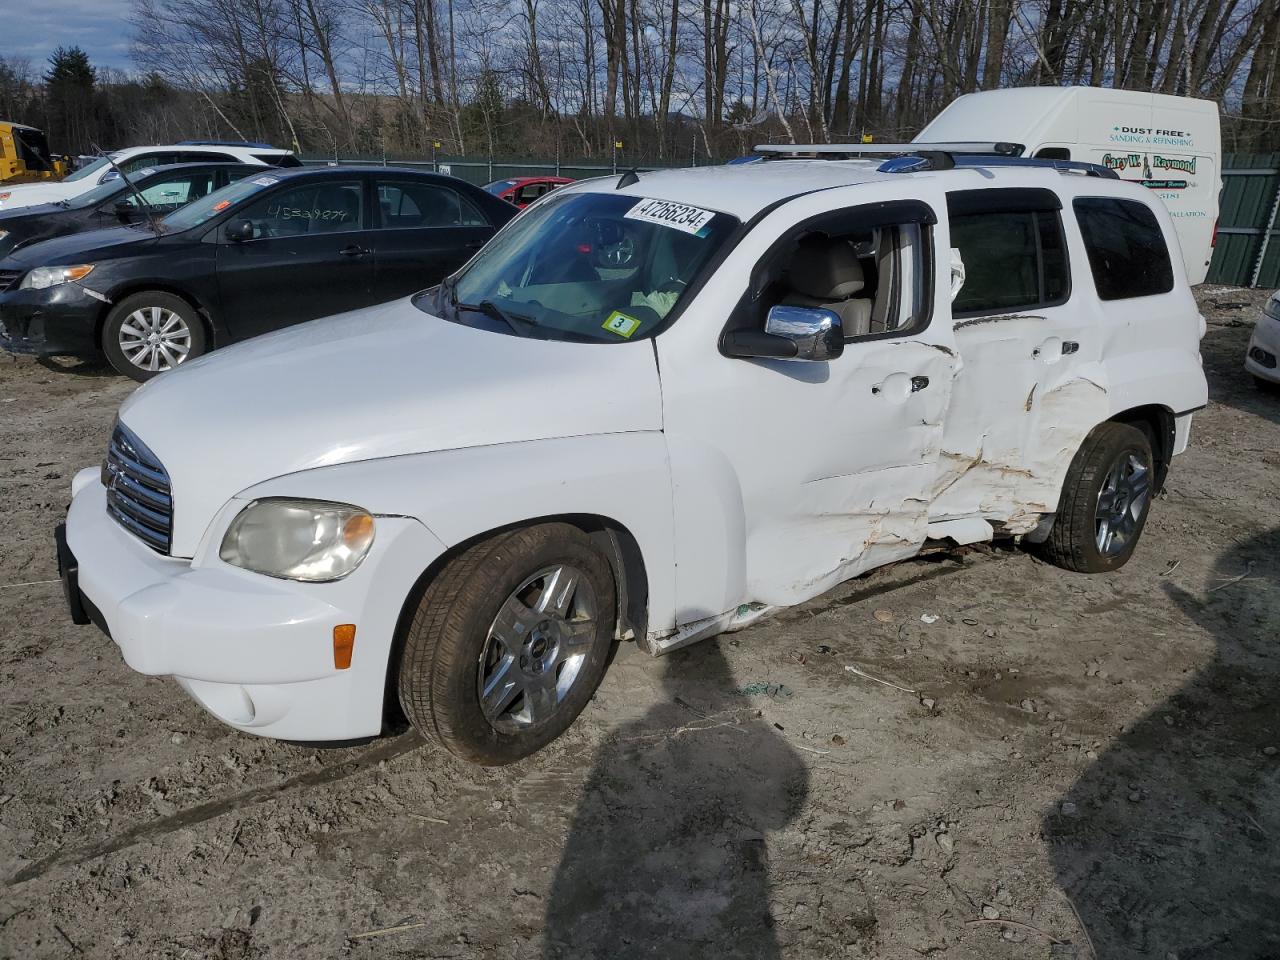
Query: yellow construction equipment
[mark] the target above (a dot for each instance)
(25, 156)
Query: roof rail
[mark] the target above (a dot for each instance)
(1062, 166)
(915, 157)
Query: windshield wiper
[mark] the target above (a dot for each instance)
(491, 309)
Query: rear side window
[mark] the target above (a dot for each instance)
(1127, 252)
(407, 204)
(1013, 259)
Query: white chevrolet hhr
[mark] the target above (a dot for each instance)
(654, 407)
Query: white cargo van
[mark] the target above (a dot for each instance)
(1172, 145)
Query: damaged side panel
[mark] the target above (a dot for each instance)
(1021, 406)
(789, 477)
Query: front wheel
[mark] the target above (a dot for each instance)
(150, 332)
(1105, 500)
(509, 642)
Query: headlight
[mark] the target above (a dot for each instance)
(1272, 309)
(311, 540)
(3, 234)
(42, 277)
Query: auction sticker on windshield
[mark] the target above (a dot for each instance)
(681, 216)
(621, 324)
(266, 181)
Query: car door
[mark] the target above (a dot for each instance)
(1025, 347)
(425, 231)
(310, 256)
(808, 472)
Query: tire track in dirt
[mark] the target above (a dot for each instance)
(155, 829)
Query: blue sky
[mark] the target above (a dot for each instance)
(32, 29)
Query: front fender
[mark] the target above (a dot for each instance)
(461, 494)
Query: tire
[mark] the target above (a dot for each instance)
(1096, 531)
(455, 650)
(139, 316)
(1266, 386)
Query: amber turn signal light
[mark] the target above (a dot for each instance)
(344, 643)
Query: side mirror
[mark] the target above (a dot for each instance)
(126, 212)
(238, 231)
(791, 333)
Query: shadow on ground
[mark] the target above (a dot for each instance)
(1169, 844)
(668, 852)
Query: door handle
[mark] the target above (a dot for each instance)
(897, 387)
(354, 250)
(474, 245)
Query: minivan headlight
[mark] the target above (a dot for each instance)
(311, 540)
(42, 277)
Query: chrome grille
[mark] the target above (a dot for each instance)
(138, 494)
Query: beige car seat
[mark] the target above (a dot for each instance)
(826, 273)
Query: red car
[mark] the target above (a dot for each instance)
(522, 191)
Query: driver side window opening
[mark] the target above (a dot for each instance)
(874, 277)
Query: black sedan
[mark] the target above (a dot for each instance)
(274, 249)
(164, 189)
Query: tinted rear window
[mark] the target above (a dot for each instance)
(1127, 252)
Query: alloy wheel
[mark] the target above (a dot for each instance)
(536, 648)
(1121, 503)
(154, 339)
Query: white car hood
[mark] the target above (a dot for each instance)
(378, 382)
(29, 194)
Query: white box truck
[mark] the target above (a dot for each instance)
(1172, 145)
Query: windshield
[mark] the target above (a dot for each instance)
(88, 170)
(591, 266)
(210, 205)
(498, 186)
(105, 191)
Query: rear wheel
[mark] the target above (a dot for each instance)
(150, 332)
(1105, 500)
(509, 642)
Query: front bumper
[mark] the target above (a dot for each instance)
(254, 651)
(58, 320)
(1262, 358)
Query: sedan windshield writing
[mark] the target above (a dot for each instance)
(592, 266)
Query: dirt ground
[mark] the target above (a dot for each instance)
(1056, 766)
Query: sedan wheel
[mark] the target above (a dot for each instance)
(155, 339)
(149, 333)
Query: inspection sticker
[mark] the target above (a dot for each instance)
(266, 181)
(681, 216)
(621, 324)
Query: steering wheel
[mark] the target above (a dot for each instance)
(616, 255)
